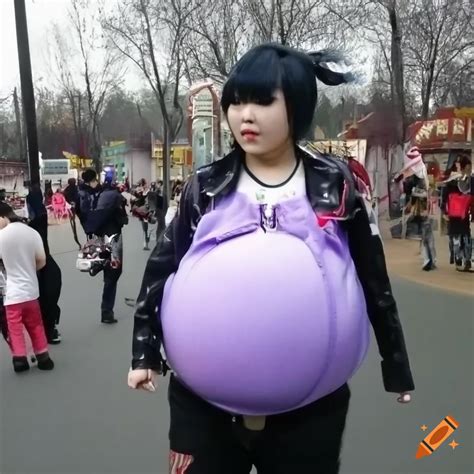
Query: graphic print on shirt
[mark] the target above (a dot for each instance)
(269, 196)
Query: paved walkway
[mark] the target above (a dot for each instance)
(404, 260)
(82, 418)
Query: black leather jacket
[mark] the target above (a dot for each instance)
(326, 177)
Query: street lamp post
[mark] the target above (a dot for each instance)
(27, 91)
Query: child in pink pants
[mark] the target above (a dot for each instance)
(22, 253)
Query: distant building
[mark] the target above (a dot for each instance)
(132, 159)
(181, 158)
(442, 137)
(12, 176)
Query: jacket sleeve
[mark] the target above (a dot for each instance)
(367, 253)
(164, 260)
(120, 213)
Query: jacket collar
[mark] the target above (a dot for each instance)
(326, 177)
(89, 189)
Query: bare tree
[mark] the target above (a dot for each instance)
(101, 68)
(304, 24)
(19, 128)
(455, 86)
(397, 66)
(212, 46)
(69, 83)
(86, 72)
(56, 131)
(10, 138)
(439, 46)
(151, 35)
(379, 24)
(287, 22)
(426, 46)
(222, 30)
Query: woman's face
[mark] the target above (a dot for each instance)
(260, 128)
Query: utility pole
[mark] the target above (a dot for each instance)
(27, 92)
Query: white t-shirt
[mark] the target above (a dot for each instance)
(263, 193)
(20, 245)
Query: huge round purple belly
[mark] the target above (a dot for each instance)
(251, 326)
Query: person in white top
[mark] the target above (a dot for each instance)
(22, 252)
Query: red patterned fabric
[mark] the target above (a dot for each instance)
(179, 463)
(360, 172)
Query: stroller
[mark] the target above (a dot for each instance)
(97, 253)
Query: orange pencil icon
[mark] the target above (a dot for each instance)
(437, 437)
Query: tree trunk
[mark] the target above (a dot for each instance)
(426, 99)
(166, 164)
(19, 128)
(96, 156)
(81, 149)
(4, 141)
(397, 73)
(281, 23)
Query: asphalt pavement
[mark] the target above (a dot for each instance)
(82, 418)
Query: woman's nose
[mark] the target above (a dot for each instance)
(248, 115)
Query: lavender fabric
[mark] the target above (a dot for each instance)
(260, 322)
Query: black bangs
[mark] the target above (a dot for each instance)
(255, 78)
(266, 68)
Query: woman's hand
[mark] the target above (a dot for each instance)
(142, 379)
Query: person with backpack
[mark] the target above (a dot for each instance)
(262, 289)
(457, 200)
(23, 254)
(101, 211)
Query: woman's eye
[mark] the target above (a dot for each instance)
(265, 101)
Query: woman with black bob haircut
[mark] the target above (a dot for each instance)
(269, 67)
(263, 287)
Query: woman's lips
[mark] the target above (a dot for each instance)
(249, 136)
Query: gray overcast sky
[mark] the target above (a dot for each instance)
(40, 15)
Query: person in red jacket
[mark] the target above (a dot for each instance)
(456, 207)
